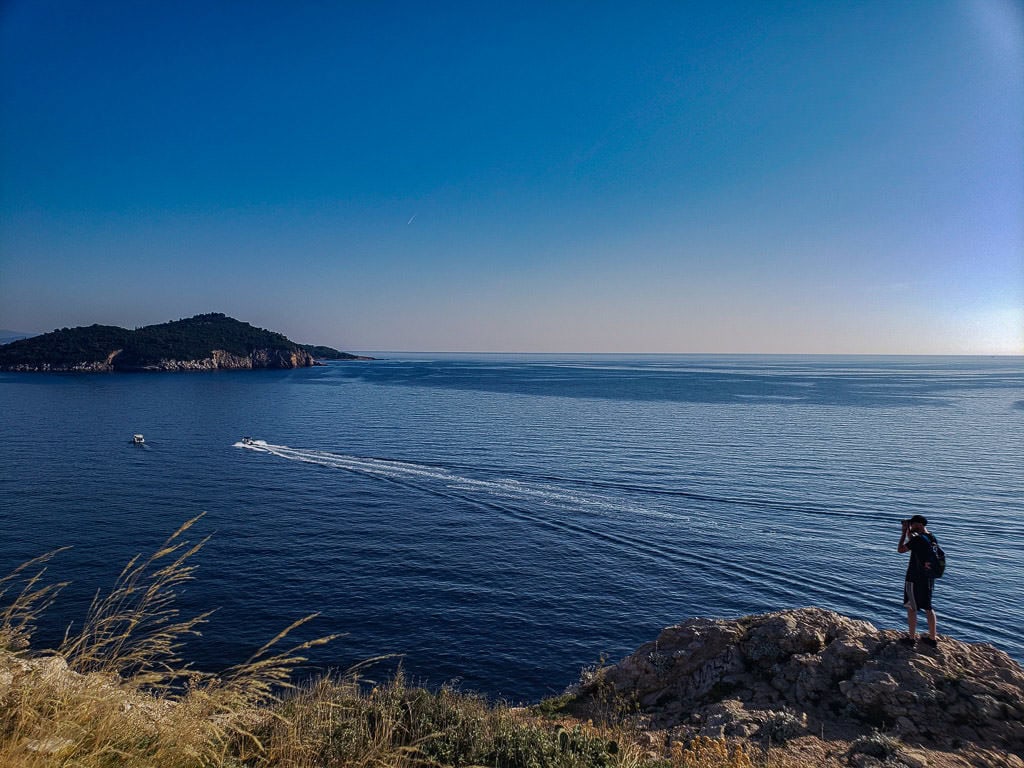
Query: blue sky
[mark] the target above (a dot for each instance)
(842, 177)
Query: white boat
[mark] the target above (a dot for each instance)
(138, 439)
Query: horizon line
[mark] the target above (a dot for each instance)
(694, 354)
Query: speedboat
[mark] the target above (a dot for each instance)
(138, 439)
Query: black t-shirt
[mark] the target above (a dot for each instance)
(920, 546)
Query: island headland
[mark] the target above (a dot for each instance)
(205, 342)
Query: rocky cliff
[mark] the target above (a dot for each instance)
(812, 671)
(220, 359)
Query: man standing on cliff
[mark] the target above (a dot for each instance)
(917, 588)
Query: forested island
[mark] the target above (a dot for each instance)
(204, 342)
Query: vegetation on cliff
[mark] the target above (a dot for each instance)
(66, 346)
(104, 347)
(117, 693)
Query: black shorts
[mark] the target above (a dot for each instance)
(917, 595)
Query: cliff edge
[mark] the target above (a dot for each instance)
(811, 671)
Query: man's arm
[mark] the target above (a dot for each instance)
(904, 540)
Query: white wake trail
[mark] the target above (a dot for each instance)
(504, 488)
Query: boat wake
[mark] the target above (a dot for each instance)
(407, 471)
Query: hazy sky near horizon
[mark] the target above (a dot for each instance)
(837, 177)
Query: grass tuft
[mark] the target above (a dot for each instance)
(878, 745)
(706, 752)
(18, 614)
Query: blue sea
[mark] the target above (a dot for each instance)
(499, 522)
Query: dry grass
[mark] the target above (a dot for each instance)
(704, 751)
(19, 613)
(118, 693)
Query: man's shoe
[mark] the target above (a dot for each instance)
(909, 641)
(930, 641)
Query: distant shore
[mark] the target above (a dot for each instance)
(201, 343)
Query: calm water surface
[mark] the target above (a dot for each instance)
(504, 520)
